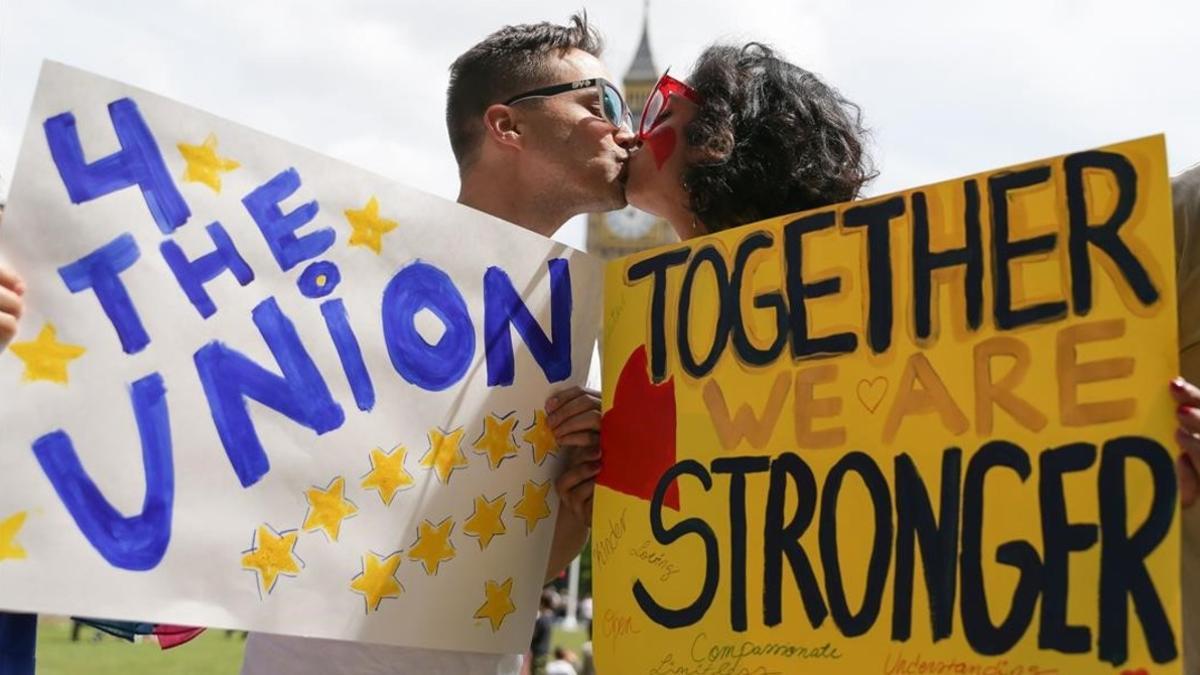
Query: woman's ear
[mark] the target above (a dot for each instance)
(500, 123)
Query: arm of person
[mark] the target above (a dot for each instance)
(574, 416)
(1187, 396)
(12, 291)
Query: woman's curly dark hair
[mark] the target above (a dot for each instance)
(772, 138)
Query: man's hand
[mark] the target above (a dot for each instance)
(1188, 436)
(574, 416)
(12, 290)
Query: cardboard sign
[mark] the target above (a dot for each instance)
(920, 433)
(257, 388)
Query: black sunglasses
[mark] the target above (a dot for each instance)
(612, 104)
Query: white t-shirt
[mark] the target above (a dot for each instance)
(269, 654)
(560, 667)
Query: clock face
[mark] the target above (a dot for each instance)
(630, 223)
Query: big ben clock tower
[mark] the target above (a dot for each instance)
(629, 230)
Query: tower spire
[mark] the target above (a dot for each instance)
(642, 69)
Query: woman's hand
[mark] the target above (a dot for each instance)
(1187, 396)
(12, 305)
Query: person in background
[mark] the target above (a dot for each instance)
(543, 628)
(563, 663)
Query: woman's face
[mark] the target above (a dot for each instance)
(655, 182)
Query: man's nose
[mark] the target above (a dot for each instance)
(625, 137)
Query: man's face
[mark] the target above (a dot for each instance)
(578, 157)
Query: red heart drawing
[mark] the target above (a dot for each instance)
(662, 144)
(637, 435)
(1139, 671)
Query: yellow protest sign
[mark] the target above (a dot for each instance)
(919, 433)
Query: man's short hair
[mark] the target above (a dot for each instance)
(508, 62)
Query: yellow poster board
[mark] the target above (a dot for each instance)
(928, 432)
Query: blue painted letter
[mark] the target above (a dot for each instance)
(279, 229)
(229, 378)
(431, 367)
(192, 275)
(349, 352)
(100, 271)
(136, 542)
(502, 306)
(138, 162)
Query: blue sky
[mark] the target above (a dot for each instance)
(948, 88)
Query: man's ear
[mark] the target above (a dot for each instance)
(501, 125)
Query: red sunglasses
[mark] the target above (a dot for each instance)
(657, 102)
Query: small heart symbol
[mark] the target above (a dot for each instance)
(871, 392)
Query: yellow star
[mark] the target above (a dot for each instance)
(486, 522)
(9, 548)
(377, 580)
(499, 603)
(368, 227)
(497, 440)
(445, 453)
(204, 165)
(45, 357)
(387, 475)
(533, 506)
(433, 546)
(541, 438)
(272, 554)
(328, 508)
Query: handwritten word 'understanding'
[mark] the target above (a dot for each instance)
(228, 376)
(876, 219)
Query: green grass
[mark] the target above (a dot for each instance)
(209, 654)
(572, 640)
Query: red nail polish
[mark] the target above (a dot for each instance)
(1183, 410)
(1177, 384)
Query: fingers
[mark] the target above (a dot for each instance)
(1190, 445)
(579, 439)
(1185, 393)
(11, 302)
(1189, 418)
(1188, 481)
(12, 287)
(11, 280)
(589, 422)
(8, 328)
(570, 402)
(576, 487)
(574, 417)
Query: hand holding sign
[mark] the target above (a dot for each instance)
(1187, 395)
(574, 417)
(12, 289)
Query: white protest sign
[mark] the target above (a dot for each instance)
(258, 388)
